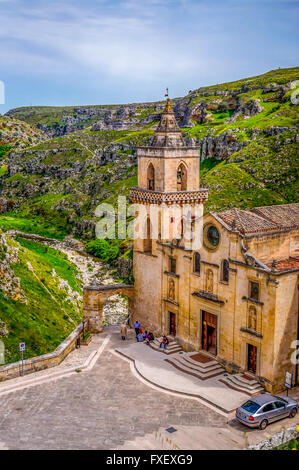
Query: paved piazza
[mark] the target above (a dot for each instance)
(102, 409)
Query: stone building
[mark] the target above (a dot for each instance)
(236, 297)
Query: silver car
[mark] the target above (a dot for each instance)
(264, 409)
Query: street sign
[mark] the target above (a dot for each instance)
(288, 380)
(22, 349)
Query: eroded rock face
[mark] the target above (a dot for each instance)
(219, 147)
(247, 110)
(9, 283)
(125, 268)
(13, 131)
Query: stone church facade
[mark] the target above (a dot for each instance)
(236, 297)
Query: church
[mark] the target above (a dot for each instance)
(235, 296)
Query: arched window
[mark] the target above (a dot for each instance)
(196, 263)
(182, 178)
(225, 270)
(147, 242)
(151, 177)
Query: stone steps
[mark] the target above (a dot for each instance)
(194, 365)
(240, 383)
(172, 348)
(180, 363)
(207, 366)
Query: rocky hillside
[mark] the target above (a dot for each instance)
(15, 134)
(246, 131)
(18, 134)
(58, 121)
(212, 105)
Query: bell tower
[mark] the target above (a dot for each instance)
(168, 176)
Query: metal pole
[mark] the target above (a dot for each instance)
(22, 365)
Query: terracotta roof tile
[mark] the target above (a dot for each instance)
(262, 219)
(285, 264)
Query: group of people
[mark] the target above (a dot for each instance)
(147, 336)
(140, 336)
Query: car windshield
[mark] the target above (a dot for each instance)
(251, 406)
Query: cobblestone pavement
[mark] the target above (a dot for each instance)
(99, 409)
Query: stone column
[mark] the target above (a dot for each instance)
(93, 309)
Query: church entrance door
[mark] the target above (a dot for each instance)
(209, 332)
(251, 360)
(172, 326)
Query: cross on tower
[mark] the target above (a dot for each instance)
(166, 94)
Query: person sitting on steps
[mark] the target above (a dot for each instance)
(151, 336)
(139, 337)
(165, 342)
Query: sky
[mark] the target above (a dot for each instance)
(71, 52)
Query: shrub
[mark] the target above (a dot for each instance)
(104, 249)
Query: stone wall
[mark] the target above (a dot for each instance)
(45, 361)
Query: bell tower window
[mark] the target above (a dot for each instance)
(181, 178)
(151, 177)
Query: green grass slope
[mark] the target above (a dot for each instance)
(265, 172)
(41, 301)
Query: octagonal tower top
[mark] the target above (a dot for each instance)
(168, 133)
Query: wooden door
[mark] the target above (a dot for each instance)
(252, 355)
(172, 326)
(209, 332)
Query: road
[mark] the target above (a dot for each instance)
(108, 406)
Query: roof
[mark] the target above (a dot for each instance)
(168, 133)
(261, 219)
(263, 398)
(284, 264)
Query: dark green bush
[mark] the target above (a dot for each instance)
(104, 249)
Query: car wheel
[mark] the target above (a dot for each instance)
(293, 413)
(263, 424)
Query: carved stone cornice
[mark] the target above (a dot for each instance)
(147, 196)
(251, 332)
(249, 299)
(208, 296)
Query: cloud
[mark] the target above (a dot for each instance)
(142, 43)
(59, 38)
